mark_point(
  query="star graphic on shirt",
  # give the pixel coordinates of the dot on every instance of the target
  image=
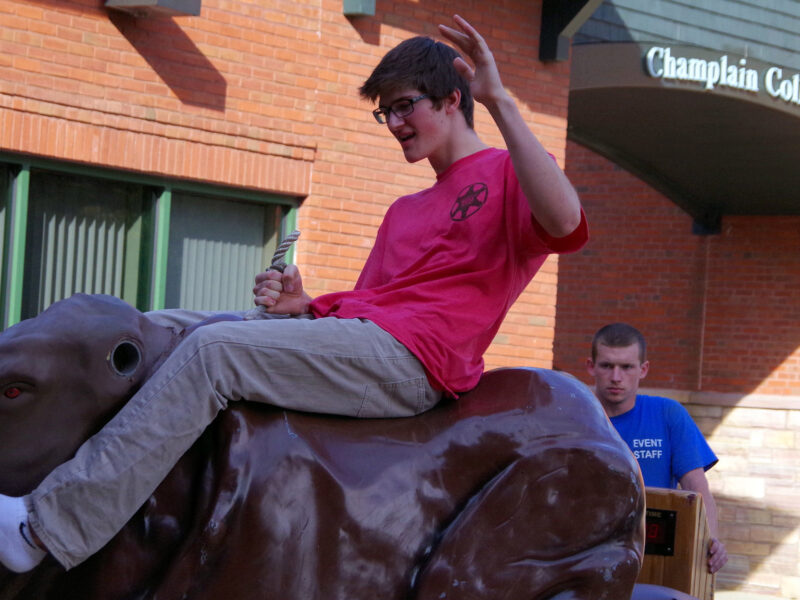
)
(469, 201)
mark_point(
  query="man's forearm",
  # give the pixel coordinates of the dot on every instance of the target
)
(551, 197)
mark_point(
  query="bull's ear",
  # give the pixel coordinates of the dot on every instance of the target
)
(125, 358)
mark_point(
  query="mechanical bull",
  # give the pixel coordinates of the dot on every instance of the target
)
(521, 489)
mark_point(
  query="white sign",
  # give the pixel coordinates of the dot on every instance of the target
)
(733, 74)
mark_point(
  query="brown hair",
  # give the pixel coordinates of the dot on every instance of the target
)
(619, 335)
(424, 64)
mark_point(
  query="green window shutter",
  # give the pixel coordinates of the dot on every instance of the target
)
(215, 249)
(66, 229)
(77, 238)
(5, 210)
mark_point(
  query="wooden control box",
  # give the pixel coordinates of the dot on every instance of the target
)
(676, 542)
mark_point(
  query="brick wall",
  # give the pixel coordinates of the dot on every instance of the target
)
(263, 95)
(720, 312)
(722, 318)
(641, 265)
(753, 314)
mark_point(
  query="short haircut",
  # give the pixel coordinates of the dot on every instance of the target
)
(619, 335)
(424, 64)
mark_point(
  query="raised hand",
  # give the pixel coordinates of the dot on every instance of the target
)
(484, 78)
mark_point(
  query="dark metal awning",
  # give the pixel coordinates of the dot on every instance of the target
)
(713, 149)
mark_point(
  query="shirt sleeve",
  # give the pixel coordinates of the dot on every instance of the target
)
(689, 447)
(571, 242)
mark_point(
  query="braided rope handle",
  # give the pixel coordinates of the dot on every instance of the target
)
(277, 264)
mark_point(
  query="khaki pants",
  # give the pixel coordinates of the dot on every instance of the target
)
(347, 367)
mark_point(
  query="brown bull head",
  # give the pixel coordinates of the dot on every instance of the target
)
(63, 374)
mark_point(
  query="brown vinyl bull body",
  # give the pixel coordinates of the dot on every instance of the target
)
(520, 489)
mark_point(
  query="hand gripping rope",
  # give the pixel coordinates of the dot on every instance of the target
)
(277, 264)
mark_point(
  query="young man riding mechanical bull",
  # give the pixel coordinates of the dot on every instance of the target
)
(447, 265)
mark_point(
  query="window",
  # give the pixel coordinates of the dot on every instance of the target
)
(151, 243)
(81, 237)
(215, 248)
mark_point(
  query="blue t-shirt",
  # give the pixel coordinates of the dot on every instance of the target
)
(664, 439)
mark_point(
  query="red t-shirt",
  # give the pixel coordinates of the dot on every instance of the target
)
(448, 263)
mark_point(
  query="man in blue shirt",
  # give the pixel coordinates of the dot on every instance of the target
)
(669, 447)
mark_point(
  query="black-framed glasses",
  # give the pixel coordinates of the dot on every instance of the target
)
(401, 108)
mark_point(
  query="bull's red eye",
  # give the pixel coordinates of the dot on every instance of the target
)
(12, 392)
